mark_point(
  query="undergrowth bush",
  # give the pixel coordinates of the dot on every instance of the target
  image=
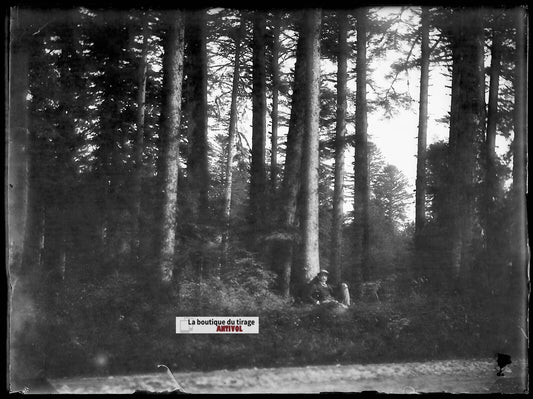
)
(114, 327)
(243, 289)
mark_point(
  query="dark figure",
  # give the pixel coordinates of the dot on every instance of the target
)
(503, 360)
(319, 291)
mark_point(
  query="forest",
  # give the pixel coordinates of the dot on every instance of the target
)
(210, 162)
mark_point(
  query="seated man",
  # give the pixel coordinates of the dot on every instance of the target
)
(321, 292)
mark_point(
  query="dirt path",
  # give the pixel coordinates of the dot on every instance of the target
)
(437, 376)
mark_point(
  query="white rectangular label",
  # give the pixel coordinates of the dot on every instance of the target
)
(217, 325)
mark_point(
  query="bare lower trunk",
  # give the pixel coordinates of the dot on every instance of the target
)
(361, 193)
(16, 187)
(275, 101)
(282, 253)
(31, 261)
(467, 130)
(519, 233)
(420, 200)
(257, 167)
(310, 158)
(173, 69)
(338, 193)
(197, 162)
(112, 135)
(231, 145)
(17, 156)
(491, 180)
(139, 144)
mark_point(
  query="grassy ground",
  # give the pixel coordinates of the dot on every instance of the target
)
(454, 376)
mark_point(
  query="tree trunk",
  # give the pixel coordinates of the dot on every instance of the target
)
(467, 122)
(21, 353)
(519, 278)
(275, 116)
(420, 200)
(361, 192)
(492, 116)
(139, 143)
(257, 168)
(197, 162)
(18, 137)
(34, 223)
(310, 158)
(169, 131)
(231, 144)
(340, 132)
(283, 250)
(491, 180)
(61, 173)
(112, 137)
(70, 84)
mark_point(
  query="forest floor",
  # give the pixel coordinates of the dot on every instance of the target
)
(455, 376)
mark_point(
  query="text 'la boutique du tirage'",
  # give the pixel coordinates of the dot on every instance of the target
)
(217, 324)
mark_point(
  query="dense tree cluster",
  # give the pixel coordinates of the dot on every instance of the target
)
(159, 148)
